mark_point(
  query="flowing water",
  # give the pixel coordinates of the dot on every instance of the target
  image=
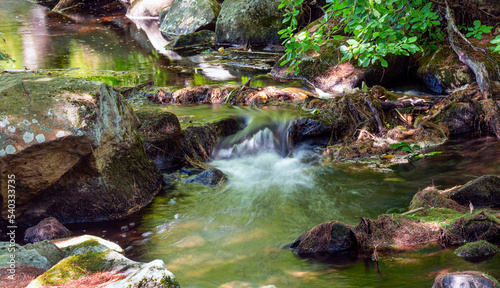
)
(234, 236)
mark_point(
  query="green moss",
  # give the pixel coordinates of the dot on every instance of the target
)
(85, 245)
(441, 216)
(76, 267)
(477, 249)
(170, 282)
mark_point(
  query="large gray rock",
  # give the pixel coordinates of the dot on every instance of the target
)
(95, 255)
(187, 16)
(466, 279)
(12, 255)
(47, 229)
(48, 250)
(73, 149)
(244, 22)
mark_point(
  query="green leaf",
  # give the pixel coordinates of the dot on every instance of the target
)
(352, 42)
(383, 62)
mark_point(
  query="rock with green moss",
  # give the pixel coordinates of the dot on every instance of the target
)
(332, 237)
(325, 71)
(472, 279)
(48, 250)
(255, 23)
(481, 192)
(161, 133)
(74, 144)
(192, 43)
(90, 255)
(147, 8)
(480, 225)
(478, 249)
(441, 71)
(187, 16)
(212, 177)
(431, 197)
(15, 254)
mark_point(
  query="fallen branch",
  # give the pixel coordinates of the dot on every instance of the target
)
(388, 105)
(413, 211)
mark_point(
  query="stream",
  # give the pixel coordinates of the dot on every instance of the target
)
(234, 236)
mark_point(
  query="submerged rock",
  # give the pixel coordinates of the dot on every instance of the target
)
(243, 22)
(470, 279)
(161, 133)
(478, 249)
(324, 70)
(47, 229)
(187, 16)
(211, 177)
(192, 43)
(332, 237)
(481, 192)
(97, 263)
(74, 144)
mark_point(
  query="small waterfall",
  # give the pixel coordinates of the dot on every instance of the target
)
(265, 131)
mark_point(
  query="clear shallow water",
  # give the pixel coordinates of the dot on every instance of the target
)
(39, 39)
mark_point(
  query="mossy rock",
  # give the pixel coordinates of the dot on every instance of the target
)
(192, 43)
(441, 71)
(481, 192)
(48, 250)
(255, 23)
(477, 249)
(431, 197)
(74, 144)
(332, 237)
(480, 225)
(161, 134)
(188, 16)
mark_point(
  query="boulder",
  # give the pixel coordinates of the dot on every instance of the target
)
(148, 8)
(192, 43)
(22, 256)
(47, 229)
(198, 142)
(431, 197)
(471, 228)
(255, 23)
(48, 250)
(332, 237)
(481, 192)
(324, 70)
(462, 119)
(441, 71)
(91, 261)
(211, 177)
(478, 249)
(471, 279)
(72, 146)
(161, 134)
(305, 128)
(187, 16)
